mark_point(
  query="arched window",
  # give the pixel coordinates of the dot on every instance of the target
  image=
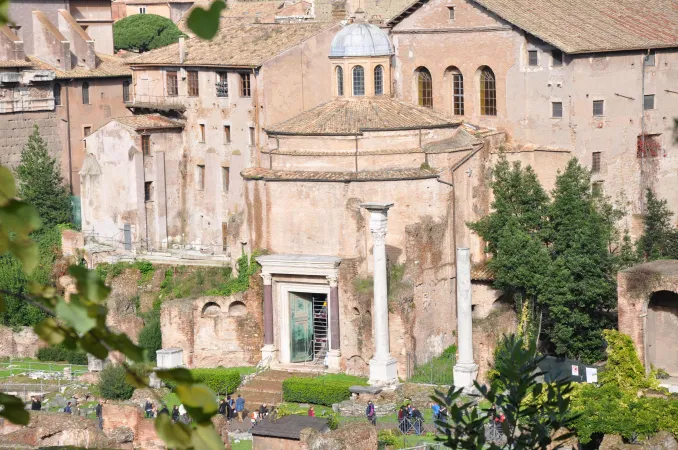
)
(125, 91)
(378, 80)
(424, 87)
(57, 94)
(340, 81)
(85, 93)
(488, 92)
(358, 81)
(237, 309)
(457, 91)
(211, 309)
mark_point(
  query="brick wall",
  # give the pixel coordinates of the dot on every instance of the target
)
(16, 128)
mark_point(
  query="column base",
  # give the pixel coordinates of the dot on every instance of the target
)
(334, 361)
(269, 354)
(465, 374)
(383, 371)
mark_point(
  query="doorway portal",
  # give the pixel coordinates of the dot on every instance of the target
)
(308, 326)
(662, 331)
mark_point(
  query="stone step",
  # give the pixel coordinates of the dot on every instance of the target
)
(258, 385)
(255, 399)
(280, 375)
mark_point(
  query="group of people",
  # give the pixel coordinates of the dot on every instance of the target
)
(231, 408)
(410, 418)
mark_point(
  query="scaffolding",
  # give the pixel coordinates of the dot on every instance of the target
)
(320, 336)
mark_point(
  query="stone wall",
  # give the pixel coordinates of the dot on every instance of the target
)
(20, 344)
(119, 415)
(16, 128)
(488, 331)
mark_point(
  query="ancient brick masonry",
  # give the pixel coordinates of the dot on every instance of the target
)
(15, 129)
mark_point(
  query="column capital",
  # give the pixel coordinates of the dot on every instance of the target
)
(267, 277)
(333, 280)
(379, 236)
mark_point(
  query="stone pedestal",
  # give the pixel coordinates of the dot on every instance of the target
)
(169, 358)
(466, 370)
(383, 368)
(334, 361)
(94, 364)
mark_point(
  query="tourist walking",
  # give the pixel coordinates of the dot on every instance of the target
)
(99, 411)
(239, 407)
(68, 409)
(436, 411)
(36, 404)
(154, 412)
(403, 419)
(230, 405)
(222, 407)
(371, 413)
(417, 420)
(175, 413)
(311, 412)
(148, 407)
(164, 410)
(263, 411)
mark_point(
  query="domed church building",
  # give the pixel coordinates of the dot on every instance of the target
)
(309, 203)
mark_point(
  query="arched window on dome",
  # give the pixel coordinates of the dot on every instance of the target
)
(340, 81)
(378, 80)
(358, 81)
(424, 87)
(488, 92)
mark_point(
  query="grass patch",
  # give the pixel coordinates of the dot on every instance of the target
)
(241, 445)
(438, 370)
(27, 364)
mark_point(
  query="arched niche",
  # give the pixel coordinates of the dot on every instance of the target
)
(211, 309)
(237, 309)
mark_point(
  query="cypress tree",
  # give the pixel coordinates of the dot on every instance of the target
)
(657, 241)
(41, 184)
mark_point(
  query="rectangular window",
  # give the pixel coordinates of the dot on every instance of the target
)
(172, 84)
(225, 178)
(648, 101)
(252, 136)
(222, 84)
(86, 131)
(557, 56)
(533, 57)
(595, 162)
(458, 93)
(148, 191)
(598, 107)
(450, 11)
(146, 144)
(193, 86)
(202, 132)
(245, 88)
(598, 189)
(57, 94)
(649, 59)
(201, 177)
(227, 134)
(125, 91)
(142, 10)
(557, 109)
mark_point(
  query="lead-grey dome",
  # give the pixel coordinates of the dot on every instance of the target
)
(361, 39)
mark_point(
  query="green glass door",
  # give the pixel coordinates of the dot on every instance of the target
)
(301, 327)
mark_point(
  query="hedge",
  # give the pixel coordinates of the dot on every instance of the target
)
(59, 353)
(324, 390)
(220, 380)
(112, 383)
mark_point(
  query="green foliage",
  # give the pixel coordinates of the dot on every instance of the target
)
(533, 410)
(143, 32)
(438, 370)
(220, 380)
(659, 239)
(554, 257)
(246, 268)
(59, 353)
(387, 437)
(611, 410)
(150, 337)
(323, 390)
(106, 270)
(113, 384)
(623, 368)
(205, 23)
(40, 182)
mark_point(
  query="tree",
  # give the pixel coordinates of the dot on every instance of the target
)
(144, 32)
(41, 184)
(150, 337)
(659, 238)
(533, 411)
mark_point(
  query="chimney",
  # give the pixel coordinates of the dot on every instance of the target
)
(182, 50)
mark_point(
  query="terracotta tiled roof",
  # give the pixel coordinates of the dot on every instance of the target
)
(384, 9)
(149, 122)
(246, 12)
(462, 140)
(352, 116)
(16, 63)
(238, 43)
(108, 66)
(260, 173)
(365, 152)
(521, 148)
(585, 26)
(481, 272)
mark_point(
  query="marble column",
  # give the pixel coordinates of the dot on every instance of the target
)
(269, 347)
(334, 353)
(383, 370)
(466, 370)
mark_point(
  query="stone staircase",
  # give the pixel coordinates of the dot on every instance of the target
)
(266, 387)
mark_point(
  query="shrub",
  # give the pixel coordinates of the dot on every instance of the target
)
(246, 268)
(324, 390)
(150, 337)
(112, 384)
(220, 380)
(623, 367)
(143, 32)
(59, 353)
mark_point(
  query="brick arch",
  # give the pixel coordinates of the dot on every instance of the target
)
(661, 331)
